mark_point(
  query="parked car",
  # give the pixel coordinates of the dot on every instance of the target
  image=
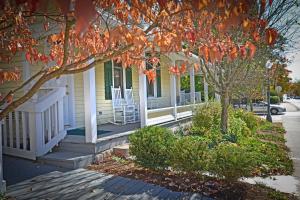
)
(261, 107)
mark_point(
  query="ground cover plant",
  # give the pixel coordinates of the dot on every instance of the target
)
(251, 146)
(200, 158)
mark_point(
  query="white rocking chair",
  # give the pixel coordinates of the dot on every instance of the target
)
(131, 104)
(122, 112)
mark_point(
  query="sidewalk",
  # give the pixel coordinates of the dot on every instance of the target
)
(291, 122)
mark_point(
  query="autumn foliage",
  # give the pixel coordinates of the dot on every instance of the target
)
(73, 32)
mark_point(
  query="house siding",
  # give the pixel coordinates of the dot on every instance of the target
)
(104, 107)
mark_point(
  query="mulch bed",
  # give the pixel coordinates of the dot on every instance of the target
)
(189, 182)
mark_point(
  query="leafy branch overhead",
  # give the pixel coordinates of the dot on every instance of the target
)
(64, 36)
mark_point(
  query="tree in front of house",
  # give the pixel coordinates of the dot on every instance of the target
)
(73, 36)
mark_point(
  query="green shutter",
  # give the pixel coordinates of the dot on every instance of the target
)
(128, 77)
(158, 81)
(108, 79)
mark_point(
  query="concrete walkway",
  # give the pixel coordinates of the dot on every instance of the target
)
(16, 170)
(291, 122)
(85, 184)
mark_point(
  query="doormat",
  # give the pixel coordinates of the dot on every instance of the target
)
(81, 132)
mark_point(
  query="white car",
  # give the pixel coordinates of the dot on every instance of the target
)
(261, 107)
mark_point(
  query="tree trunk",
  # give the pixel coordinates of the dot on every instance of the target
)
(224, 114)
(251, 105)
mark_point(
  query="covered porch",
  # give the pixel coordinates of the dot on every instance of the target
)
(169, 103)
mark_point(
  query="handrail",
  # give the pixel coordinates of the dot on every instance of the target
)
(35, 127)
(43, 103)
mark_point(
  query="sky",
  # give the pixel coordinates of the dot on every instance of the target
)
(294, 56)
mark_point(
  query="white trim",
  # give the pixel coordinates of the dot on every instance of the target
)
(143, 99)
(90, 108)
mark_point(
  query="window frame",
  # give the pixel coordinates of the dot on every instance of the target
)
(123, 77)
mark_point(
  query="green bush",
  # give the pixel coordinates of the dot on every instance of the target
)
(249, 118)
(231, 162)
(238, 127)
(151, 146)
(189, 154)
(207, 119)
(274, 99)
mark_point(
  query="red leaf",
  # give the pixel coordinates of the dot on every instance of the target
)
(52, 56)
(270, 2)
(44, 59)
(256, 36)
(28, 57)
(84, 13)
(243, 51)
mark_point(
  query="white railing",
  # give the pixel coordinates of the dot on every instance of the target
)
(35, 127)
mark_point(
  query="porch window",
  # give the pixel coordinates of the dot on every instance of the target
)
(154, 88)
(117, 76)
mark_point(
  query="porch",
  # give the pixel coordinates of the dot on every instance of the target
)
(56, 121)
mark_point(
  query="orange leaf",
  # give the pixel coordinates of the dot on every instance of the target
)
(271, 36)
(175, 70)
(197, 67)
(183, 68)
(252, 49)
(151, 74)
(204, 52)
(233, 54)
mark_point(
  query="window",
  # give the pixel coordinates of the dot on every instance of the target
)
(154, 88)
(117, 76)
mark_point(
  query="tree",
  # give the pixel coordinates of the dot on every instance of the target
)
(80, 34)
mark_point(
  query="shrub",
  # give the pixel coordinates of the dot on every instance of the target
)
(249, 118)
(151, 146)
(231, 162)
(207, 119)
(238, 127)
(274, 99)
(189, 154)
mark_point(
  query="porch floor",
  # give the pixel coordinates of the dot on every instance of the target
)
(105, 130)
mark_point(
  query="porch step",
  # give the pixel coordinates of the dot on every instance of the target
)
(102, 144)
(67, 159)
(121, 151)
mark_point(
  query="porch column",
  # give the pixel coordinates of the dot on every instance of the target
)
(143, 98)
(205, 90)
(90, 116)
(192, 84)
(173, 93)
(2, 182)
